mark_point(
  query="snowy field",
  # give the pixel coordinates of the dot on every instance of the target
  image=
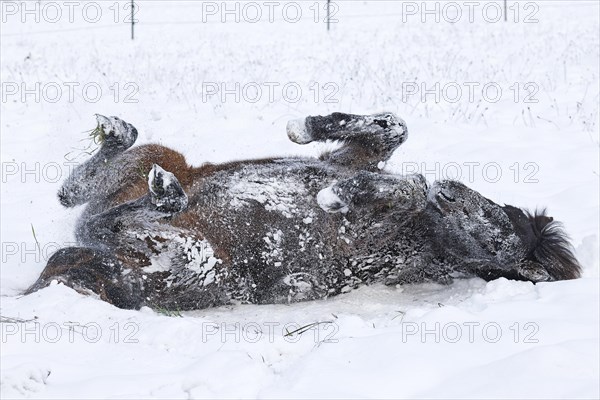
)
(511, 108)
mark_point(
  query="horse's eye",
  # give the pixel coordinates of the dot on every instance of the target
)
(447, 197)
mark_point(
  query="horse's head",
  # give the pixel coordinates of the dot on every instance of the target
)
(481, 233)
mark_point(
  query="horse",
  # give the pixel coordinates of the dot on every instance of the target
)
(158, 232)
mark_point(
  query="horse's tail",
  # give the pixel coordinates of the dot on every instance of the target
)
(551, 247)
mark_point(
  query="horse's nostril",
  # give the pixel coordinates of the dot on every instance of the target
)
(382, 123)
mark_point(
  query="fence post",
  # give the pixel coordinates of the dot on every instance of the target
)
(328, 15)
(132, 22)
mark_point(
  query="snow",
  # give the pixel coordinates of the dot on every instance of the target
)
(331, 202)
(425, 341)
(274, 194)
(109, 124)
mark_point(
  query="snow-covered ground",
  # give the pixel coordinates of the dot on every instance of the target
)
(534, 144)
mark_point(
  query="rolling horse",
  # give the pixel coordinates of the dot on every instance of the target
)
(158, 232)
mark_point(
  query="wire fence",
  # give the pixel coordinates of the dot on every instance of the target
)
(198, 6)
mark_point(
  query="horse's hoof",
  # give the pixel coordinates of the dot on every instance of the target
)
(116, 133)
(534, 272)
(166, 192)
(297, 132)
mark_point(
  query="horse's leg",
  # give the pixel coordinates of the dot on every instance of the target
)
(375, 191)
(101, 174)
(97, 268)
(91, 270)
(109, 229)
(368, 139)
